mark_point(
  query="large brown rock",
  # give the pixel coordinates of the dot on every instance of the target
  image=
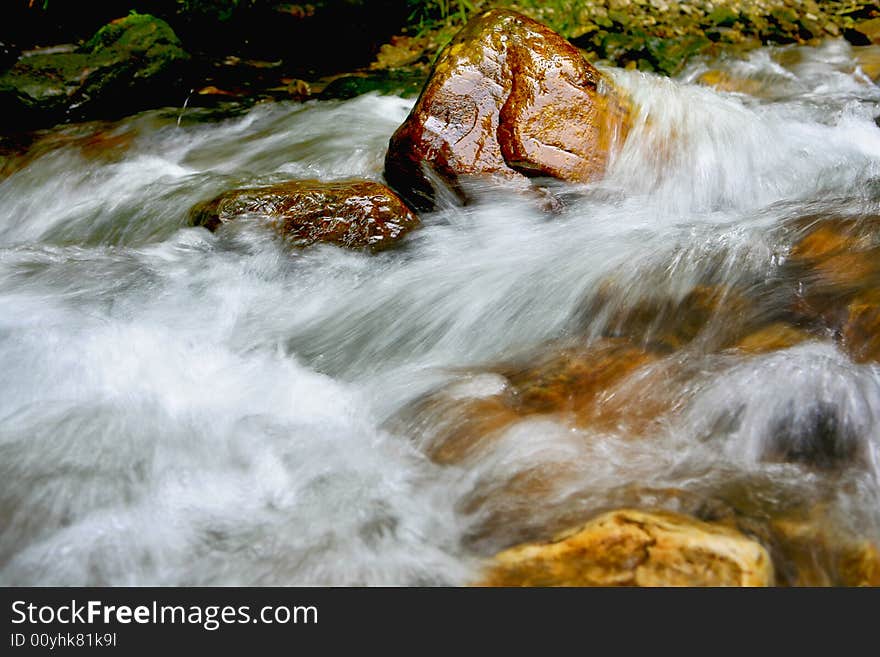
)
(354, 214)
(636, 548)
(508, 97)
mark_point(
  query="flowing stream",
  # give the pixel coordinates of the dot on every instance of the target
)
(185, 408)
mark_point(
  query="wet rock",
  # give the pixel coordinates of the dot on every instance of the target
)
(868, 60)
(636, 548)
(835, 262)
(717, 314)
(131, 63)
(811, 541)
(818, 435)
(353, 214)
(570, 380)
(508, 98)
(861, 330)
(818, 554)
(572, 383)
(724, 81)
(777, 335)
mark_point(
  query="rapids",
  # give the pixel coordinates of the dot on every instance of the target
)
(185, 408)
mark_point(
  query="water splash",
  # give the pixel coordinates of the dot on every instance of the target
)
(182, 407)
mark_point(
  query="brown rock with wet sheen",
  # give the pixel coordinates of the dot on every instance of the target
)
(636, 548)
(565, 380)
(352, 213)
(778, 335)
(861, 331)
(508, 96)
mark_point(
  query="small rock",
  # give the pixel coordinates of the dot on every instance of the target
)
(354, 214)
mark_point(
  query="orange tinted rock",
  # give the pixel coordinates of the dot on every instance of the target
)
(819, 555)
(770, 338)
(718, 312)
(868, 60)
(508, 96)
(478, 423)
(861, 332)
(571, 379)
(568, 382)
(723, 81)
(352, 214)
(636, 548)
(833, 265)
(840, 253)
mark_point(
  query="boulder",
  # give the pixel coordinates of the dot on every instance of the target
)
(129, 64)
(354, 214)
(508, 98)
(636, 548)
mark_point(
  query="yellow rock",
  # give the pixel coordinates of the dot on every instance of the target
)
(868, 59)
(636, 548)
(723, 81)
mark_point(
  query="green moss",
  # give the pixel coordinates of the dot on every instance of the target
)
(723, 16)
(135, 33)
(112, 68)
(670, 55)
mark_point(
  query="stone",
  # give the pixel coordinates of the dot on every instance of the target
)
(725, 81)
(571, 379)
(507, 99)
(636, 548)
(820, 555)
(354, 214)
(861, 330)
(131, 63)
(868, 60)
(777, 335)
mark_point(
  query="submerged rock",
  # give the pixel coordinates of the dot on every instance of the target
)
(507, 98)
(861, 330)
(819, 435)
(636, 548)
(129, 64)
(568, 382)
(354, 214)
(772, 337)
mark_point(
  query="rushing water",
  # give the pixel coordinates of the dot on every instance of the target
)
(181, 407)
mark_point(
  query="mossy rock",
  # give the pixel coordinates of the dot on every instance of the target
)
(669, 56)
(131, 63)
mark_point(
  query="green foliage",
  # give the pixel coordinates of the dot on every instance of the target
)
(432, 14)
